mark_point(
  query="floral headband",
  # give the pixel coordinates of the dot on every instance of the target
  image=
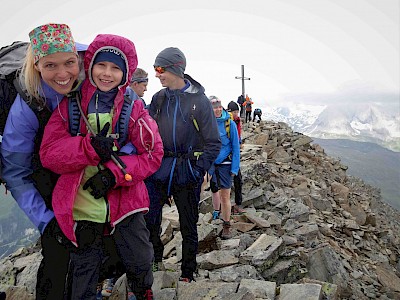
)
(51, 38)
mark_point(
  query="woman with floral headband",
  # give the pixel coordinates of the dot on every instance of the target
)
(50, 71)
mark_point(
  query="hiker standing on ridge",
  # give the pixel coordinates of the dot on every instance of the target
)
(191, 143)
(94, 195)
(49, 73)
(225, 167)
(233, 108)
(138, 85)
(248, 107)
(240, 101)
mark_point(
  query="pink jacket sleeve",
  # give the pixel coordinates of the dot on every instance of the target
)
(62, 153)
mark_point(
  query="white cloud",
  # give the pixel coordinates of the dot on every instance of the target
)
(287, 46)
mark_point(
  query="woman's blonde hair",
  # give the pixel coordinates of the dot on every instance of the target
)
(31, 76)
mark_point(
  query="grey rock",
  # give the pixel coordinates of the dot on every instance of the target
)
(308, 224)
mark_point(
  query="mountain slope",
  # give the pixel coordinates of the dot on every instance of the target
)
(374, 164)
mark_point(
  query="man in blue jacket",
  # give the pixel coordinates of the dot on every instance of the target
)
(191, 141)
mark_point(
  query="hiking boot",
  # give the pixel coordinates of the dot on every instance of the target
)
(157, 266)
(98, 294)
(108, 286)
(131, 296)
(237, 210)
(148, 295)
(215, 214)
(186, 279)
(226, 230)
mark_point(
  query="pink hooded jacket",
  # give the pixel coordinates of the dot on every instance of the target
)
(68, 156)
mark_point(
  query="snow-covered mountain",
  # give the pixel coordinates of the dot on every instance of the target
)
(369, 122)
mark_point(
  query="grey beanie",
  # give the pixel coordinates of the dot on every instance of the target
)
(173, 60)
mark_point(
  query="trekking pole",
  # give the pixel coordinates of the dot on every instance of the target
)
(127, 176)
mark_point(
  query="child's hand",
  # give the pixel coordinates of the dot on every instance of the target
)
(100, 183)
(103, 145)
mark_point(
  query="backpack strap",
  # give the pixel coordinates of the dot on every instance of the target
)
(41, 111)
(121, 127)
(123, 123)
(228, 127)
(159, 102)
(74, 115)
(43, 179)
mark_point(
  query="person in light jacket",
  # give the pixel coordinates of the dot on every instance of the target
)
(225, 167)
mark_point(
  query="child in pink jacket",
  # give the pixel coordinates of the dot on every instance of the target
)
(93, 195)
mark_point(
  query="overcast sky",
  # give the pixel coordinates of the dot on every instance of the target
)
(288, 47)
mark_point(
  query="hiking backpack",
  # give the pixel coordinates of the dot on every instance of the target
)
(11, 61)
(248, 106)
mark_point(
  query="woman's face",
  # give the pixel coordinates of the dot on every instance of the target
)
(106, 75)
(59, 70)
(217, 110)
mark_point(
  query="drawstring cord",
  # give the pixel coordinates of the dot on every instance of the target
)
(59, 111)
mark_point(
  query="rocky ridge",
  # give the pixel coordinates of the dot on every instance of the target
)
(310, 232)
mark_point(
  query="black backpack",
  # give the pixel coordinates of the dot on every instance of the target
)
(248, 106)
(11, 60)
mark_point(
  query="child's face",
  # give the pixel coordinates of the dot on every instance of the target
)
(106, 75)
(235, 113)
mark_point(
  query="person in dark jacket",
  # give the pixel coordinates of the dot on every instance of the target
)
(257, 113)
(240, 101)
(191, 141)
(49, 72)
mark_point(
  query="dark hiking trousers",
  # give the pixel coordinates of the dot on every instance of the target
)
(112, 266)
(131, 238)
(237, 185)
(248, 116)
(154, 217)
(242, 111)
(187, 202)
(53, 269)
(86, 260)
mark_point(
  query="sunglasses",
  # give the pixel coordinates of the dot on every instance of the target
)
(216, 103)
(160, 69)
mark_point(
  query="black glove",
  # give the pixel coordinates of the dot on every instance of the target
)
(100, 183)
(103, 145)
(199, 173)
(53, 230)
